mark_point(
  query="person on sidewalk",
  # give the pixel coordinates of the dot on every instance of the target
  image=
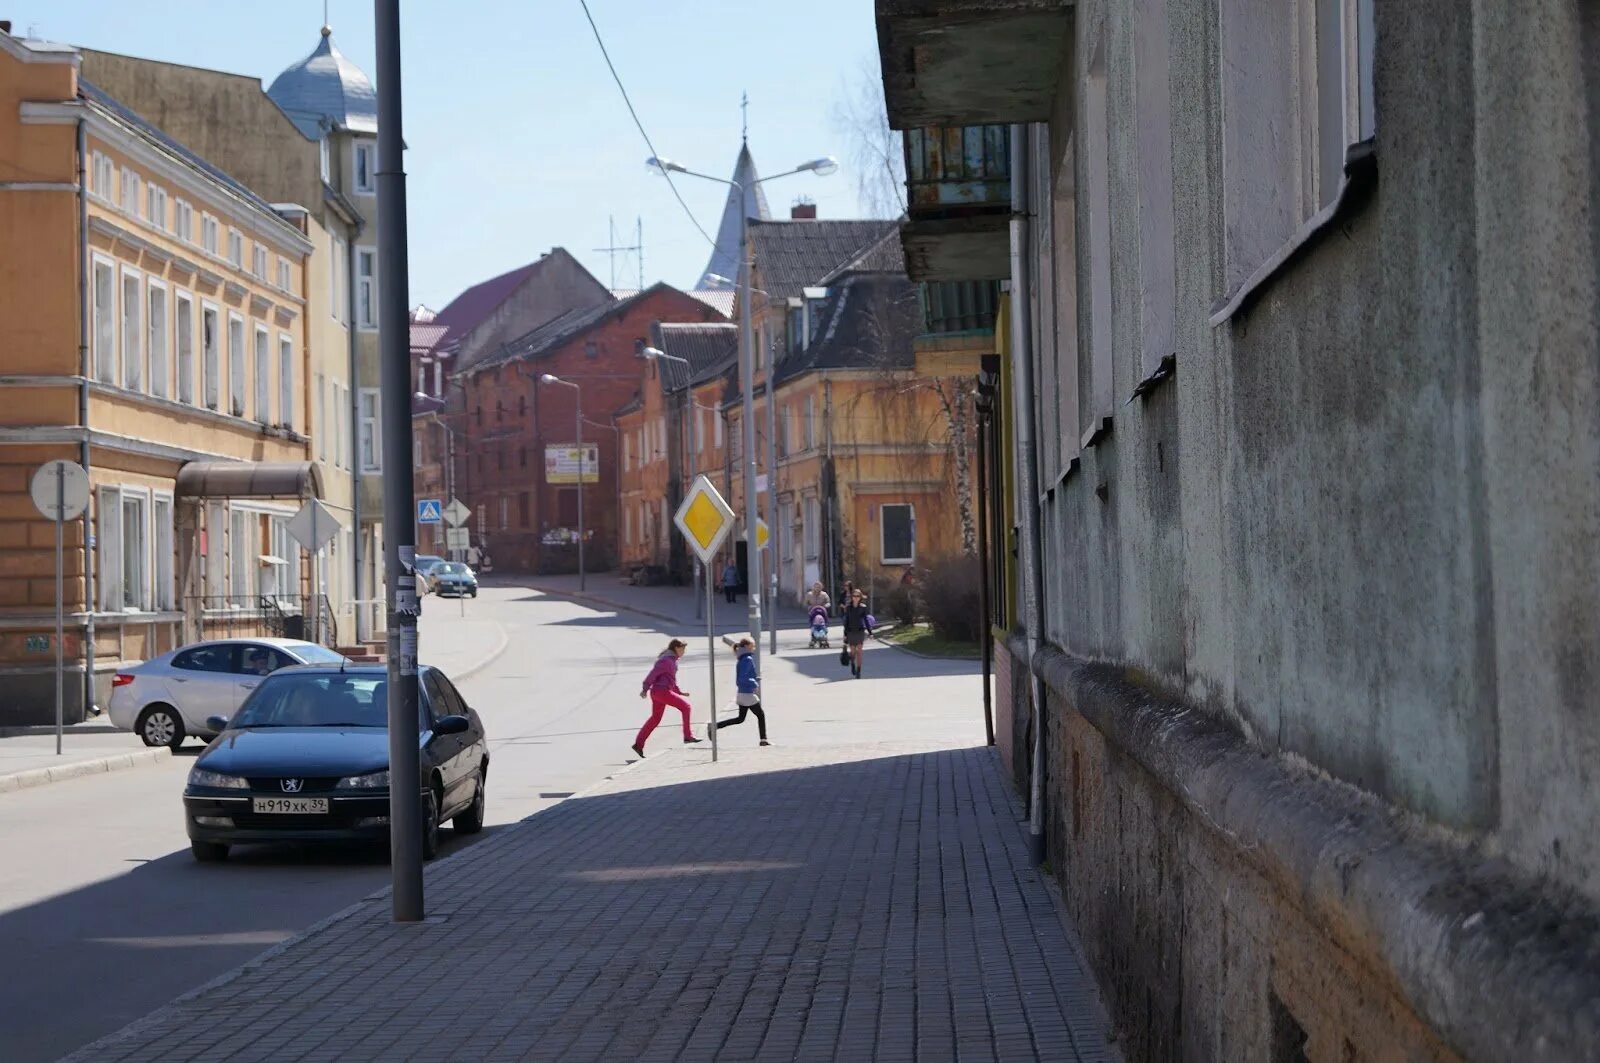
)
(749, 686)
(857, 626)
(661, 687)
(817, 597)
(730, 582)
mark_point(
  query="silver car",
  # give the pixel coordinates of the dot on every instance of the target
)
(170, 697)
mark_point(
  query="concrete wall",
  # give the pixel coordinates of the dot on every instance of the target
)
(1356, 528)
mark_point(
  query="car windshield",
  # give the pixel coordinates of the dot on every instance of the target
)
(313, 699)
(311, 653)
(426, 562)
(451, 568)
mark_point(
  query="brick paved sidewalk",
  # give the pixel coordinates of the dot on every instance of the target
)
(865, 902)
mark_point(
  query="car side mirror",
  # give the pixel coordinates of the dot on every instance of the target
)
(451, 725)
(217, 723)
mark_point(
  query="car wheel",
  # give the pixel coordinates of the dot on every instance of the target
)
(471, 821)
(209, 852)
(160, 725)
(474, 592)
(430, 826)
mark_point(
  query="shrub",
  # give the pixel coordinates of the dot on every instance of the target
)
(951, 591)
(894, 599)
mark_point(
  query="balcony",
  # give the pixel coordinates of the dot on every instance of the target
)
(971, 62)
(958, 319)
(958, 184)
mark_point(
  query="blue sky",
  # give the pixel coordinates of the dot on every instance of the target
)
(519, 140)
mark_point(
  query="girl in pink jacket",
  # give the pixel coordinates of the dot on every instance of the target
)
(661, 687)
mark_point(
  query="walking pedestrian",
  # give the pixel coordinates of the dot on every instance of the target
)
(845, 596)
(857, 626)
(730, 582)
(661, 687)
(817, 597)
(749, 687)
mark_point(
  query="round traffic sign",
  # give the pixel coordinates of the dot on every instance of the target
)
(61, 490)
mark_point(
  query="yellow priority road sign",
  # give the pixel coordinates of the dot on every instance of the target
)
(704, 518)
(762, 534)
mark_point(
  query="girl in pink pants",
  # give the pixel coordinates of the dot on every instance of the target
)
(661, 687)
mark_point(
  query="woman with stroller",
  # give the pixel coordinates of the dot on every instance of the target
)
(661, 687)
(817, 597)
(857, 626)
(749, 684)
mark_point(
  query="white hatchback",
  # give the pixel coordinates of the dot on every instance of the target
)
(170, 697)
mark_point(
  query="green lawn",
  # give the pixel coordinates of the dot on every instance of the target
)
(919, 638)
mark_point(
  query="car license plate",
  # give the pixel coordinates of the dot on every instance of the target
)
(294, 806)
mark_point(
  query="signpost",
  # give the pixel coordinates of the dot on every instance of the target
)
(61, 491)
(314, 527)
(705, 520)
(455, 514)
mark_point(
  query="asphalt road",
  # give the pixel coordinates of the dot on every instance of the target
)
(104, 915)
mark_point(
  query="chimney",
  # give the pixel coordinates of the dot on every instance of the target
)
(5, 26)
(803, 208)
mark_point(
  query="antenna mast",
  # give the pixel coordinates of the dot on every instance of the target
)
(614, 249)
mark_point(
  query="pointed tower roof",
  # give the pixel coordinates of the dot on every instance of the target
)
(725, 256)
(327, 91)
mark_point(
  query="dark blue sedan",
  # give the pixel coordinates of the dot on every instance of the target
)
(306, 759)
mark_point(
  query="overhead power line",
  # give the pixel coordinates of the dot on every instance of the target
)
(640, 125)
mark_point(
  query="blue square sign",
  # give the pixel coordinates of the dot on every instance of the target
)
(429, 511)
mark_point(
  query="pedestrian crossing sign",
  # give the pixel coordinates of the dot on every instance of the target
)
(429, 511)
(704, 519)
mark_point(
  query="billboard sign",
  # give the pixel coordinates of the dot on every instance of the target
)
(561, 464)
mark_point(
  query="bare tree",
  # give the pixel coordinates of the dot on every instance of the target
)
(875, 152)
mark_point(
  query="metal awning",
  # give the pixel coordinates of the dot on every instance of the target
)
(247, 479)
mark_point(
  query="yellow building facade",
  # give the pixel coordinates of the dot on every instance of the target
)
(154, 330)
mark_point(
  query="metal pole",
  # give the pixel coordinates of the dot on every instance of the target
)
(985, 633)
(405, 783)
(61, 512)
(747, 369)
(1027, 473)
(690, 472)
(583, 572)
(711, 667)
(772, 496)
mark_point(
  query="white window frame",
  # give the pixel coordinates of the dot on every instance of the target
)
(715, 417)
(108, 549)
(104, 175)
(244, 580)
(325, 158)
(129, 188)
(158, 337)
(211, 355)
(135, 546)
(368, 150)
(261, 349)
(183, 335)
(371, 434)
(286, 403)
(811, 530)
(210, 233)
(366, 289)
(238, 377)
(319, 424)
(132, 321)
(883, 525)
(339, 279)
(163, 534)
(258, 261)
(235, 248)
(285, 276)
(156, 206)
(107, 324)
(183, 221)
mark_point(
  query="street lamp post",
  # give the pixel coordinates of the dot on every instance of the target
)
(655, 354)
(577, 401)
(821, 167)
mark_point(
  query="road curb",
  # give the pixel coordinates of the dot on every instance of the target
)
(494, 655)
(923, 656)
(31, 777)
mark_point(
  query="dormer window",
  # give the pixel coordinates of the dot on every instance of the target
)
(326, 162)
(366, 168)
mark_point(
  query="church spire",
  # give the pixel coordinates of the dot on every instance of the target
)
(725, 256)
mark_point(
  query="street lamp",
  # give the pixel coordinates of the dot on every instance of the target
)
(577, 399)
(822, 167)
(656, 354)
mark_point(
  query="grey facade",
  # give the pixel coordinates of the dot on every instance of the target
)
(1315, 302)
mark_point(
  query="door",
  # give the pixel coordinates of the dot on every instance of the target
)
(444, 751)
(741, 555)
(251, 664)
(203, 683)
(474, 745)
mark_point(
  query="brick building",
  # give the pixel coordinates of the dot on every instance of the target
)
(526, 521)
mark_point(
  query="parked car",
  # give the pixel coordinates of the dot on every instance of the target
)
(452, 579)
(422, 567)
(168, 698)
(306, 759)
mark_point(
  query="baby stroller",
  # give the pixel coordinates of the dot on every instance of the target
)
(819, 628)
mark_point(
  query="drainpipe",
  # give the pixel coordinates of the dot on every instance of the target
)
(1028, 472)
(830, 481)
(90, 709)
(363, 629)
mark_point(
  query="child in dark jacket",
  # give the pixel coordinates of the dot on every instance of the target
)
(749, 686)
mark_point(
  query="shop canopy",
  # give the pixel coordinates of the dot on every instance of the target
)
(244, 479)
